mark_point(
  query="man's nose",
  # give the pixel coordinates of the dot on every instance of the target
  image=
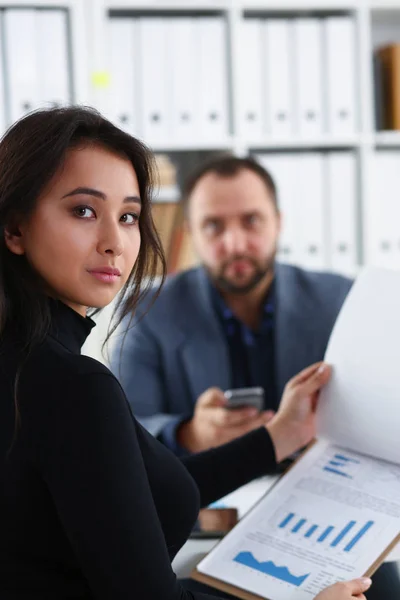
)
(235, 240)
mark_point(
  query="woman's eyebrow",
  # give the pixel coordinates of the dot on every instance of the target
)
(97, 194)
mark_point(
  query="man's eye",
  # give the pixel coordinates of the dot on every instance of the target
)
(252, 219)
(212, 227)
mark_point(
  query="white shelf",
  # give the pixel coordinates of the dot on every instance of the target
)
(387, 139)
(37, 3)
(166, 194)
(299, 5)
(383, 5)
(183, 5)
(300, 144)
(190, 145)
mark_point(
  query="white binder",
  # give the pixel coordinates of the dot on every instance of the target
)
(341, 188)
(282, 166)
(52, 57)
(213, 77)
(308, 76)
(341, 72)
(183, 78)
(310, 199)
(279, 77)
(251, 101)
(382, 212)
(154, 67)
(123, 66)
(3, 117)
(21, 61)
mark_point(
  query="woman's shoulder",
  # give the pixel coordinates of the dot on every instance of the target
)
(53, 367)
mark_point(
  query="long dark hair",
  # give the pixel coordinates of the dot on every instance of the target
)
(31, 152)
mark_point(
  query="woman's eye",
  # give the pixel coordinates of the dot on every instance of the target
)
(84, 212)
(129, 218)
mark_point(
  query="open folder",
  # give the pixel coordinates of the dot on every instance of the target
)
(335, 514)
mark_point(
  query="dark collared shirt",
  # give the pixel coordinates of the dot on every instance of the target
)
(251, 351)
(251, 358)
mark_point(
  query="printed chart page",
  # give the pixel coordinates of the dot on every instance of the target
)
(328, 519)
(359, 408)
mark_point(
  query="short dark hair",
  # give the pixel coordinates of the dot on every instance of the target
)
(228, 165)
(31, 152)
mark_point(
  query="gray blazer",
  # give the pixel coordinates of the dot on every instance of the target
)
(179, 349)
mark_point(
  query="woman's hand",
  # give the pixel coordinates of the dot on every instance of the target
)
(346, 590)
(293, 426)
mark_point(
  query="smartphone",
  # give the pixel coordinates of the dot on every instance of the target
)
(252, 397)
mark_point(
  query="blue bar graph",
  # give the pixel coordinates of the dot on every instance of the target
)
(343, 533)
(335, 463)
(337, 472)
(298, 525)
(286, 520)
(325, 534)
(358, 536)
(347, 459)
(311, 531)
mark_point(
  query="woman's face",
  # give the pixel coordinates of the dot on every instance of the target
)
(83, 237)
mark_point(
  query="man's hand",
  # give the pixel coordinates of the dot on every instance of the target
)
(213, 424)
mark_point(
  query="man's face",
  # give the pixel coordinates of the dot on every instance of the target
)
(235, 227)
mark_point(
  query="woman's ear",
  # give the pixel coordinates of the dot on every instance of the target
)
(14, 239)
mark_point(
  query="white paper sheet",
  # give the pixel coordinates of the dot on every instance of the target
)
(360, 407)
(327, 520)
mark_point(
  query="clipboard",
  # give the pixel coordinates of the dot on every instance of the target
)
(243, 593)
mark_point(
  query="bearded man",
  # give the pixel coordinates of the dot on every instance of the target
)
(239, 320)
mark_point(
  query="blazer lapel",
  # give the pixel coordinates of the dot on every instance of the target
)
(294, 337)
(204, 351)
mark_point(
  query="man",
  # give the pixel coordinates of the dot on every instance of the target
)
(240, 320)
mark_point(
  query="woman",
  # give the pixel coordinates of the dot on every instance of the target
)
(93, 507)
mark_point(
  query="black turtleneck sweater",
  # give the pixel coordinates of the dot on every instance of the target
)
(91, 505)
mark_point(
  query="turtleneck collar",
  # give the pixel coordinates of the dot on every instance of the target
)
(68, 327)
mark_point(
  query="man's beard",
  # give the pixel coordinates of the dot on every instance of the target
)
(226, 285)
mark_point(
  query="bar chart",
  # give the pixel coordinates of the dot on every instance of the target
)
(341, 465)
(344, 538)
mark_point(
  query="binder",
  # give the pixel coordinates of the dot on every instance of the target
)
(154, 66)
(380, 96)
(310, 196)
(52, 57)
(123, 66)
(213, 77)
(21, 61)
(382, 212)
(282, 167)
(388, 88)
(251, 101)
(278, 55)
(183, 82)
(3, 117)
(341, 84)
(164, 214)
(308, 77)
(341, 187)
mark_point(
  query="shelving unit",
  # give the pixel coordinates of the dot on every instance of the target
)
(377, 22)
